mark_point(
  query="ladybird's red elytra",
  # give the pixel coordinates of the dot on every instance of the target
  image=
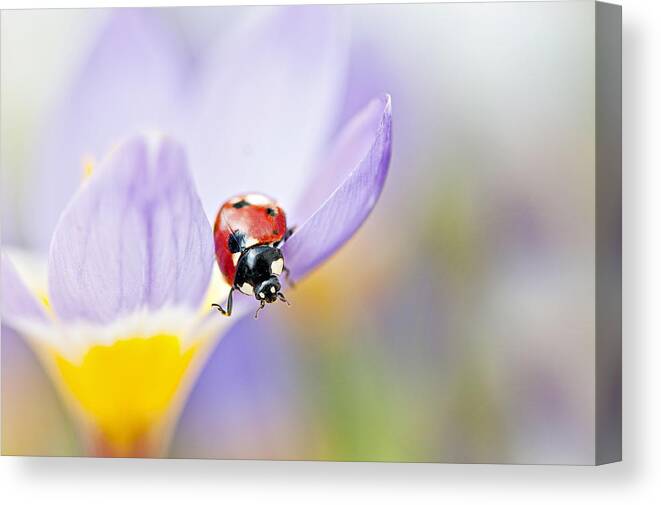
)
(248, 232)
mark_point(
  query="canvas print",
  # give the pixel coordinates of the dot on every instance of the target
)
(346, 232)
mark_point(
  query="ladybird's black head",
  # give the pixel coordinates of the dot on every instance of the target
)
(268, 290)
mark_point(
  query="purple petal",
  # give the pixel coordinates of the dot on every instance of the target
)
(244, 402)
(267, 103)
(18, 303)
(342, 213)
(130, 81)
(134, 236)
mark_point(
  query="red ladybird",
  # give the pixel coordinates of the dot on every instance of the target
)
(248, 232)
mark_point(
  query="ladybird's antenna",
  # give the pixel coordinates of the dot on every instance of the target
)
(283, 299)
(261, 306)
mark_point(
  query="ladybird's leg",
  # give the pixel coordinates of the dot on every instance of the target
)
(261, 306)
(285, 237)
(288, 278)
(227, 312)
(288, 233)
(236, 242)
(229, 302)
(282, 298)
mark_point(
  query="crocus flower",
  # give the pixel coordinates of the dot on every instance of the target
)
(123, 323)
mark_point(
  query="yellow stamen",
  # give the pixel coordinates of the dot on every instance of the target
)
(126, 388)
(43, 298)
(88, 167)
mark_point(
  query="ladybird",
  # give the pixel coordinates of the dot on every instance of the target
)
(248, 232)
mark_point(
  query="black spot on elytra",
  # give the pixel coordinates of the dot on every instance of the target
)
(235, 242)
(275, 232)
(271, 211)
(240, 204)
